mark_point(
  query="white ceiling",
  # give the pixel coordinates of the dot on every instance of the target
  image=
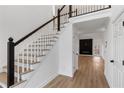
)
(92, 26)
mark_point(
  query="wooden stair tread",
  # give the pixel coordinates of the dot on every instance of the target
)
(20, 70)
(46, 45)
(3, 79)
(29, 62)
(4, 67)
(36, 55)
(47, 40)
(54, 34)
(47, 37)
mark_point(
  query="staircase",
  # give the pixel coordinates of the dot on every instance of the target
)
(27, 60)
(22, 64)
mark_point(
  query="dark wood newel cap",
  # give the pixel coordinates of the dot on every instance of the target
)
(10, 39)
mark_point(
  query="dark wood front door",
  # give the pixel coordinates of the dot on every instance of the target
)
(86, 46)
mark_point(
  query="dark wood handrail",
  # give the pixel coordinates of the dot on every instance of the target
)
(31, 33)
(62, 8)
(28, 35)
(67, 13)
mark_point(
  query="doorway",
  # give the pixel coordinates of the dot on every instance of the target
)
(86, 46)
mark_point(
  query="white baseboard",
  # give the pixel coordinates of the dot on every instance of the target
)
(3, 85)
(90, 55)
(47, 80)
(84, 55)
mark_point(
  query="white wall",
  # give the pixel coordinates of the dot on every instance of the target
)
(116, 11)
(108, 43)
(75, 48)
(65, 51)
(17, 21)
(97, 41)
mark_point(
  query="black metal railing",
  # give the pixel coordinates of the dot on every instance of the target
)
(87, 9)
(70, 11)
(63, 16)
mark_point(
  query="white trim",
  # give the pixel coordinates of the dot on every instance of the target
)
(47, 80)
(85, 55)
(90, 55)
(3, 85)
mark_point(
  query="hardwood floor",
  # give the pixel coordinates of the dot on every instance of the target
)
(89, 75)
(3, 78)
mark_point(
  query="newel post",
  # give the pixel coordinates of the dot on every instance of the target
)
(109, 6)
(70, 10)
(10, 62)
(58, 20)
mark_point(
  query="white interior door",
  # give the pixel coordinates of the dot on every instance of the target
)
(121, 37)
(118, 69)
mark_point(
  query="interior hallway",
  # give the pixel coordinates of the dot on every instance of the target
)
(89, 75)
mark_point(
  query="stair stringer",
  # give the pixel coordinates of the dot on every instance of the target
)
(46, 71)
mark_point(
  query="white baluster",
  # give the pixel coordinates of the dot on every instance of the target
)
(32, 52)
(93, 7)
(31, 56)
(90, 8)
(84, 9)
(17, 61)
(78, 9)
(27, 59)
(23, 61)
(98, 7)
(81, 8)
(18, 74)
(37, 51)
(39, 47)
(47, 41)
(43, 44)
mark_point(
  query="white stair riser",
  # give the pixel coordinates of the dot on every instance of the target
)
(32, 66)
(4, 70)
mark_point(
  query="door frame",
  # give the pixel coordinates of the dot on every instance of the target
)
(92, 47)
